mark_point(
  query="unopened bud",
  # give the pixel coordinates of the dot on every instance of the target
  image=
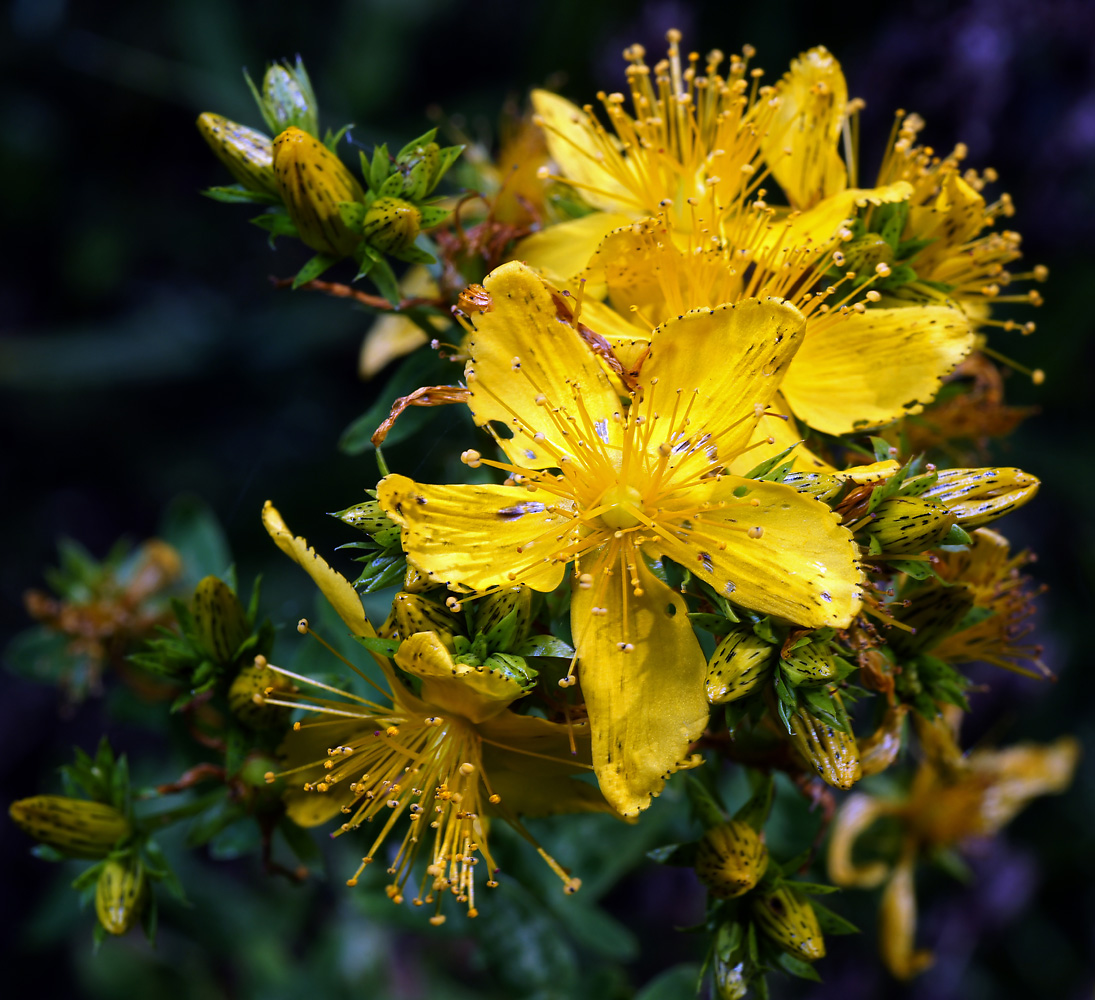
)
(740, 662)
(810, 664)
(492, 610)
(248, 693)
(419, 167)
(910, 524)
(392, 224)
(830, 751)
(787, 917)
(731, 859)
(219, 618)
(120, 895)
(77, 827)
(819, 485)
(978, 496)
(413, 613)
(288, 100)
(247, 153)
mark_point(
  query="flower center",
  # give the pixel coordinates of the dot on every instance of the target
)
(622, 501)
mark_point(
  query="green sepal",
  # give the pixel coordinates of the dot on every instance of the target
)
(759, 805)
(917, 569)
(828, 921)
(313, 269)
(392, 187)
(883, 450)
(677, 855)
(382, 275)
(332, 139)
(379, 170)
(787, 702)
(237, 194)
(957, 536)
(414, 255)
(704, 805)
(385, 647)
(765, 468)
(797, 967)
(276, 224)
(352, 214)
(433, 216)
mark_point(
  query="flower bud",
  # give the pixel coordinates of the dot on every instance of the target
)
(77, 827)
(909, 524)
(490, 611)
(978, 496)
(830, 751)
(810, 664)
(392, 224)
(248, 693)
(413, 613)
(933, 613)
(739, 663)
(248, 154)
(819, 485)
(419, 167)
(731, 859)
(787, 917)
(288, 100)
(729, 957)
(120, 895)
(312, 182)
(219, 618)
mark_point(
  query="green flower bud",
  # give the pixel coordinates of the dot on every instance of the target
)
(77, 827)
(391, 224)
(312, 182)
(810, 664)
(731, 859)
(729, 957)
(120, 895)
(248, 155)
(819, 485)
(413, 613)
(787, 917)
(249, 691)
(288, 100)
(909, 524)
(737, 666)
(978, 496)
(219, 618)
(490, 611)
(828, 750)
(419, 168)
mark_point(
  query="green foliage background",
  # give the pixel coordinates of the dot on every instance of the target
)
(144, 356)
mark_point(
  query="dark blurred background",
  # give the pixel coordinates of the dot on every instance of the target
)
(144, 355)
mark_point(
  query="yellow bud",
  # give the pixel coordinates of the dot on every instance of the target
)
(220, 619)
(120, 895)
(413, 613)
(312, 182)
(287, 98)
(249, 691)
(978, 496)
(810, 664)
(491, 610)
(787, 917)
(731, 859)
(739, 663)
(247, 153)
(392, 224)
(78, 827)
(909, 524)
(829, 751)
(820, 485)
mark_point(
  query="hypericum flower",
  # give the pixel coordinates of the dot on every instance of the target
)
(991, 574)
(861, 363)
(638, 479)
(952, 798)
(445, 760)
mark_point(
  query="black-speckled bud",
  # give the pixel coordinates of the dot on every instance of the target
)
(787, 917)
(819, 485)
(248, 693)
(491, 610)
(78, 827)
(740, 662)
(909, 524)
(219, 618)
(413, 613)
(978, 496)
(829, 751)
(391, 224)
(419, 168)
(120, 895)
(288, 99)
(810, 664)
(247, 153)
(731, 859)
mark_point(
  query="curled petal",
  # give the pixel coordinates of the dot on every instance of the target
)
(856, 814)
(897, 922)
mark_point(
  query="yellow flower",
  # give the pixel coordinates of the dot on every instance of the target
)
(393, 334)
(446, 760)
(952, 799)
(637, 479)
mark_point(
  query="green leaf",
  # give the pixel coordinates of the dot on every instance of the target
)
(678, 983)
(677, 855)
(382, 275)
(191, 527)
(830, 922)
(797, 967)
(276, 224)
(314, 268)
(352, 214)
(883, 450)
(763, 470)
(385, 647)
(918, 569)
(544, 645)
(957, 536)
(705, 807)
(380, 168)
(756, 809)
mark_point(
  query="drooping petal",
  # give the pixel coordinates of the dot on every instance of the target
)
(578, 147)
(562, 251)
(865, 369)
(857, 813)
(476, 537)
(545, 795)
(722, 367)
(801, 565)
(801, 145)
(645, 705)
(528, 366)
(897, 922)
(308, 745)
(333, 585)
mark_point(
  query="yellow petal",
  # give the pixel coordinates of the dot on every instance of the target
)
(476, 693)
(536, 746)
(801, 145)
(856, 814)
(820, 224)
(393, 335)
(865, 369)
(647, 705)
(628, 341)
(334, 586)
(309, 745)
(475, 537)
(576, 146)
(955, 217)
(753, 341)
(897, 922)
(803, 566)
(522, 353)
(562, 251)
(773, 435)
(544, 795)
